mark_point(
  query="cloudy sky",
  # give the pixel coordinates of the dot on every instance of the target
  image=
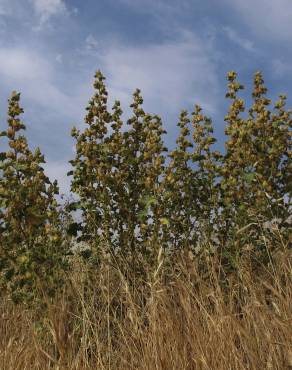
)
(177, 52)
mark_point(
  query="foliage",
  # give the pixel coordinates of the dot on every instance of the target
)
(139, 196)
(117, 174)
(258, 151)
(31, 250)
(139, 201)
(256, 171)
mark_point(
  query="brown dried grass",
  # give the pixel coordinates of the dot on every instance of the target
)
(179, 320)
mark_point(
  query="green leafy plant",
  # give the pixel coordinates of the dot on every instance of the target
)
(116, 172)
(256, 171)
(135, 199)
(31, 248)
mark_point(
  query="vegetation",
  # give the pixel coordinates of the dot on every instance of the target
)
(178, 259)
(31, 253)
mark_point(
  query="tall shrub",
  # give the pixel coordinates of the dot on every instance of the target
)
(31, 251)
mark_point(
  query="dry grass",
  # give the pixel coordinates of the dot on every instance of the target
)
(182, 320)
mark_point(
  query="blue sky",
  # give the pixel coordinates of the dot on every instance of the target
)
(177, 52)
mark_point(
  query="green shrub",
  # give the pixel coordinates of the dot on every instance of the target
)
(31, 248)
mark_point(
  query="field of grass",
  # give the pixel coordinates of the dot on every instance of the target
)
(183, 313)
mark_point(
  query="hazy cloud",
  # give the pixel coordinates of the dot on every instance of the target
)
(280, 68)
(268, 18)
(45, 9)
(170, 74)
(91, 43)
(237, 39)
(31, 73)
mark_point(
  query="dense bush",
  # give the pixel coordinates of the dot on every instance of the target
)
(137, 198)
(135, 195)
(32, 252)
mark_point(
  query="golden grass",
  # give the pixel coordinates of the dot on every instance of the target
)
(185, 319)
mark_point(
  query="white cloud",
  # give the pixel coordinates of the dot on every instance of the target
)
(59, 58)
(271, 19)
(34, 76)
(237, 39)
(6, 7)
(91, 43)
(22, 64)
(38, 12)
(166, 13)
(157, 6)
(3, 11)
(281, 68)
(45, 9)
(171, 75)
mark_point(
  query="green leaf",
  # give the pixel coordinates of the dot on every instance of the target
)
(198, 157)
(164, 221)
(2, 156)
(74, 206)
(142, 214)
(249, 177)
(149, 200)
(20, 167)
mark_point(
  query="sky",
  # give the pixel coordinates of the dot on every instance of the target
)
(177, 52)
